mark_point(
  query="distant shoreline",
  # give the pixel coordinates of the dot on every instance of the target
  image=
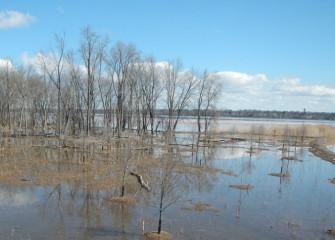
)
(274, 114)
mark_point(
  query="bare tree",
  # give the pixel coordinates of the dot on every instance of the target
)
(124, 156)
(208, 91)
(179, 87)
(32, 93)
(106, 98)
(21, 86)
(92, 51)
(52, 65)
(78, 91)
(7, 75)
(164, 191)
(151, 88)
(121, 63)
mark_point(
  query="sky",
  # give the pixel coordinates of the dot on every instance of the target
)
(268, 54)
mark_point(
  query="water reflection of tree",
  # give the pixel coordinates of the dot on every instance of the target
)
(201, 151)
(176, 172)
(240, 200)
(247, 166)
(198, 172)
(284, 177)
(239, 205)
(165, 177)
(121, 215)
(251, 138)
(166, 183)
(55, 196)
(79, 185)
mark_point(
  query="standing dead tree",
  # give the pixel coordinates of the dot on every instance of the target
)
(7, 92)
(179, 87)
(165, 188)
(92, 52)
(121, 62)
(52, 65)
(76, 86)
(150, 89)
(207, 93)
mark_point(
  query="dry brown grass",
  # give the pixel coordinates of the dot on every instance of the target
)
(242, 187)
(200, 207)
(306, 130)
(282, 175)
(121, 200)
(322, 152)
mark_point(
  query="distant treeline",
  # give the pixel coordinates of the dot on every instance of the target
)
(260, 114)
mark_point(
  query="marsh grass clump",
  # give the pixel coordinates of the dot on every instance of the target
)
(332, 180)
(200, 207)
(155, 236)
(281, 175)
(121, 200)
(242, 187)
(289, 135)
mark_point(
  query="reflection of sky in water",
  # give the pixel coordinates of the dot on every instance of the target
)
(229, 124)
(305, 198)
(17, 198)
(298, 207)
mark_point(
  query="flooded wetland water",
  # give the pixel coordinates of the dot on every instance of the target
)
(217, 186)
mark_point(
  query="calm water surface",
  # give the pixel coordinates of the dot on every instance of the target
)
(300, 206)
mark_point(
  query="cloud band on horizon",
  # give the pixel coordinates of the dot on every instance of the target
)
(12, 19)
(257, 91)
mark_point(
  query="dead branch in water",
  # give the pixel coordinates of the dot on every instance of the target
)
(140, 180)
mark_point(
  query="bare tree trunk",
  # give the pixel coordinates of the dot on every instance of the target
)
(160, 219)
(92, 51)
(179, 87)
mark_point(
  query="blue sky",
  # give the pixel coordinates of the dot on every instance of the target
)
(275, 55)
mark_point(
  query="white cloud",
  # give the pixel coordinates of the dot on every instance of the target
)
(245, 91)
(17, 199)
(162, 65)
(4, 63)
(11, 19)
(26, 60)
(36, 61)
(295, 87)
(240, 82)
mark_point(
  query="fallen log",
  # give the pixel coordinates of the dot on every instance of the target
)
(322, 152)
(141, 181)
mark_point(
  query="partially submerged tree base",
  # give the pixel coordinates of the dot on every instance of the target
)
(154, 235)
